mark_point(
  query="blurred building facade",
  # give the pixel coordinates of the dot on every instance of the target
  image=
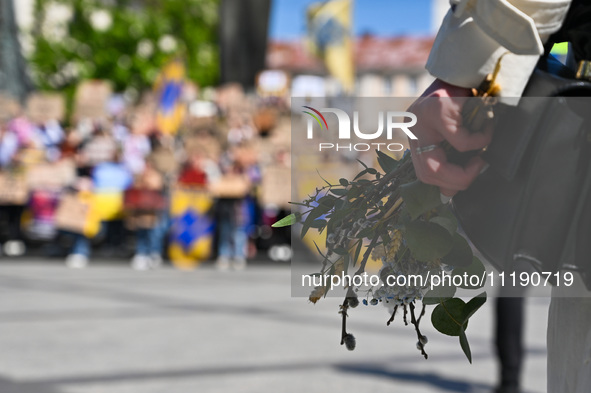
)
(385, 67)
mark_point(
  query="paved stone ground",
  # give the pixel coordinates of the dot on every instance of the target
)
(110, 329)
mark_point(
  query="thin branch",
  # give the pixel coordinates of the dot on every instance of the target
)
(420, 337)
(393, 315)
(343, 312)
(405, 314)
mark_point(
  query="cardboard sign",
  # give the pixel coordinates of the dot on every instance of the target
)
(13, 189)
(91, 99)
(43, 107)
(203, 144)
(230, 186)
(164, 160)
(8, 107)
(72, 214)
(55, 175)
(276, 186)
(99, 149)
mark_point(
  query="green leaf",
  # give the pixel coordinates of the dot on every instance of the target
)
(420, 197)
(460, 255)
(363, 172)
(387, 163)
(465, 345)
(447, 223)
(332, 270)
(338, 215)
(474, 269)
(372, 171)
(297, 204)
(355, 192)
(327, 201)
(338, 191)
(318, 224)
(344, 182)
(473, 305)
(428, 241)
(326, 181)
(346, 263)
(439, 294)
(320, 252)
(385, 236)
(361, 162)
(340, 251)
(287, 221)
(447, 317)
(313, 215)
(366, 232)
(445, 212)
(357, 252)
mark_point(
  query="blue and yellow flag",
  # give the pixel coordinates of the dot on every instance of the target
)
(329, 30)
(169, 91)
(192, 228)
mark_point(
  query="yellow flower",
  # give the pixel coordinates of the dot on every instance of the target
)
(394, 245)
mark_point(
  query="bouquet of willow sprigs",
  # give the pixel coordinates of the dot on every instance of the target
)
(402, 223)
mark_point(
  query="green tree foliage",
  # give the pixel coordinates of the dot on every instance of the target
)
(124, 41)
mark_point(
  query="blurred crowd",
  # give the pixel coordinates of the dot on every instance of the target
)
(119, 186)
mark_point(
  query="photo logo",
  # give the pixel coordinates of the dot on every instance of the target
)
(316, 117)
(344, 123)
(391, 121)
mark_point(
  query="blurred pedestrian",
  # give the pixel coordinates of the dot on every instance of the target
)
(233, 211)
(143, 204)
(79, 254)
(12, 239)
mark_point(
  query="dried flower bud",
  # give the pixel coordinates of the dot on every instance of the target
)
(349, 341)
(353, 301)
(373, 302)
(419, 347)
(316, 294)
(424, 340)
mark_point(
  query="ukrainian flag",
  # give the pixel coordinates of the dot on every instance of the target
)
(329, 30)
(192, 229)
(169, 89)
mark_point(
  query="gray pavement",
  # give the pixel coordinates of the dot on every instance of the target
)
(110, 329)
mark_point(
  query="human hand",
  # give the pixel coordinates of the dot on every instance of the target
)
(439, 118)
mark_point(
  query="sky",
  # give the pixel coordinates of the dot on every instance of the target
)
(379, 17)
